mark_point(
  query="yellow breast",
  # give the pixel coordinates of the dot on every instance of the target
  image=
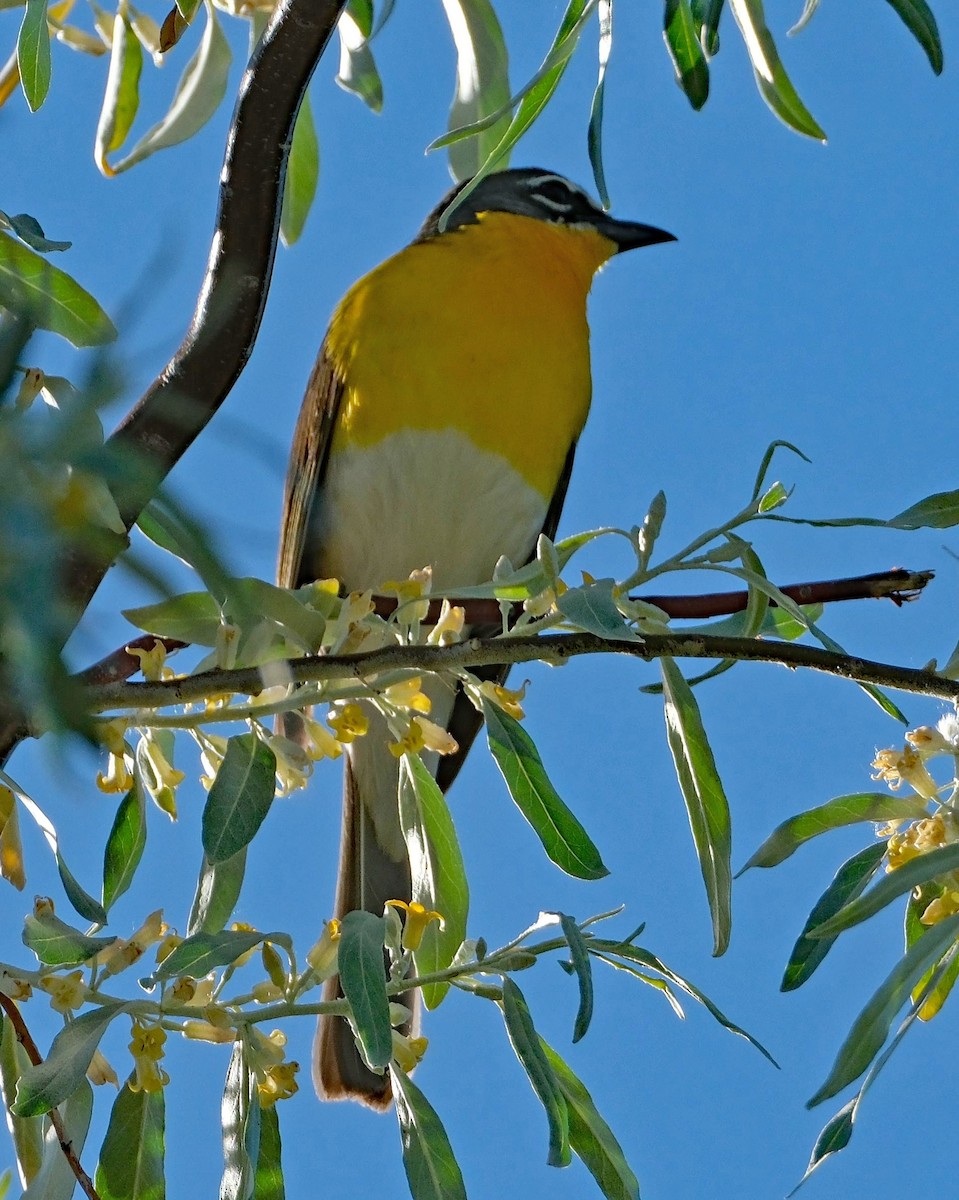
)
(482, 331)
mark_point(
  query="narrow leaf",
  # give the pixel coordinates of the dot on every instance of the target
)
(579, 958)
(689, 61)
(122, 96)
(436, 867)
(125, 844)
(268, 1184)
(240, 1122)
(833, 1137)
(482, 82)
(200, 953)
(131, 1159)
(358, 73)
(594, 130)
(363, 979)
(302, 175)
(217, 891)
(702, 789)
(49, 1083)
(939, 511)
(706, 14)
(431, 1167)
(786, 838)
(239, 798)
(849, 882)
(871, 1027)
(897, 883)
(83, 903)
(774, 84)
(589, 1135)
(55, 1180)
(25, 1132)
(919, 20)
(48, 298)
(33, 53)
(529, 1050)
(564, 839)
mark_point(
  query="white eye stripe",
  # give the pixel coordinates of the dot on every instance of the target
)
(560, 206)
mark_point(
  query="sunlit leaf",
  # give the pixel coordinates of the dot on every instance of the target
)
(60, 1074)
(57, 944)
(689, 60)
(217, 891)
(240, 797)
(125, 844)
(919, 20)
(358, 73)
(580, 964)
(131, 1158)
(55, 1180)
(363, 980)
(592, 608)
(33, 53)
(431, 1167)
(482, 82)
(302, 175)
(200, 953)
(939, 511)
(122, 96)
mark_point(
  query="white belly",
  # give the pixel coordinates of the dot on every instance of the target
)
(421, 498)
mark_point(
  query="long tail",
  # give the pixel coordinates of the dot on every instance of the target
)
(373, 869)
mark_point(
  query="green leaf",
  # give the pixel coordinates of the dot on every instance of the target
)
(26, 1132)
(529, 1050)
(81, 900)
(29, 230)
(809, 9)
(193, 617)
(358, 73)
(124, 848)
(871, 1027)
(55, 1180)
(786, 838)
(897, 883)
(532, 99)
(849, 882)
(269, 1169)
(197, 97)
(689, 61)
(198, 954)
(217, 891)
(431, 1167)
(774, 84)
(833, 1137)
(594, 130)
(239, 798)
(564, 838)
(131, 1159)
(47, 1084)
(33, 53)
(482, 82)
(593, 609)
(240, 1117)
(702, 789)
(919, 20)
(939, 511)
(57, 944)
(121, 98)
(48, 298)
(436, 867)
(302, 175)
(579, 961)
(589, 1135)
(363, 980)
(706, 14)
(631, 953)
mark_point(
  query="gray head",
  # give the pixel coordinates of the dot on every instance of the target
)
(544, 196)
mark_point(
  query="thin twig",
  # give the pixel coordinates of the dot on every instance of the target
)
(30, 1046)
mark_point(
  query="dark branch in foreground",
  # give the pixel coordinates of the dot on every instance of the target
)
(30, 1046)
(555, 649)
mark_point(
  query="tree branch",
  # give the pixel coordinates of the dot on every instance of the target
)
(30, 1046)
(554, 649)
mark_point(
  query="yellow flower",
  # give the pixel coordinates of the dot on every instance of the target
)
(205, 1031)
(416, 923)
(293, 764)
(408, 695)
(118, 776)
(159, 776)
(412, 602)
(16, 989)
(412, 742)
(510, 700)
(212, 753)
(66, 991)
(946, 905)
(278, 1083)
(321, 743)
(436, 738)
(146, 1047)
(122, 954)
(322, 956)
(905, 767)
(100, 1072)
(449, 628)
(928, 741)
(243, 927)
(168, 943)
(151, 660)
(408, 1052)
(348, 723)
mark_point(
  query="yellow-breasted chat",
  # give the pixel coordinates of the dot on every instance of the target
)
(438, 429)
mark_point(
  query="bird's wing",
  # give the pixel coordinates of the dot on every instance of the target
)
(465, 722)
(311, 445)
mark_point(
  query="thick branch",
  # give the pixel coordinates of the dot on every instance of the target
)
(553, 649)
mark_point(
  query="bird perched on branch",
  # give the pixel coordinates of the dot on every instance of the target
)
(438, 428)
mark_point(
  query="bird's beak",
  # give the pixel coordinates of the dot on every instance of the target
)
(630, 235)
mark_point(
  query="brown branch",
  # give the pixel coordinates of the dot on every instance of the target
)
(897, 585)
(190, 389)
(30, 1046)
(554, 649)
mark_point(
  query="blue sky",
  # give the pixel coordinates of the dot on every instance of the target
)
(811, 296)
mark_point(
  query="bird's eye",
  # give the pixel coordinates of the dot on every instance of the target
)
(555, 194)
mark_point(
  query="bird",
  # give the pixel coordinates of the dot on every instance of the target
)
(438, 429)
